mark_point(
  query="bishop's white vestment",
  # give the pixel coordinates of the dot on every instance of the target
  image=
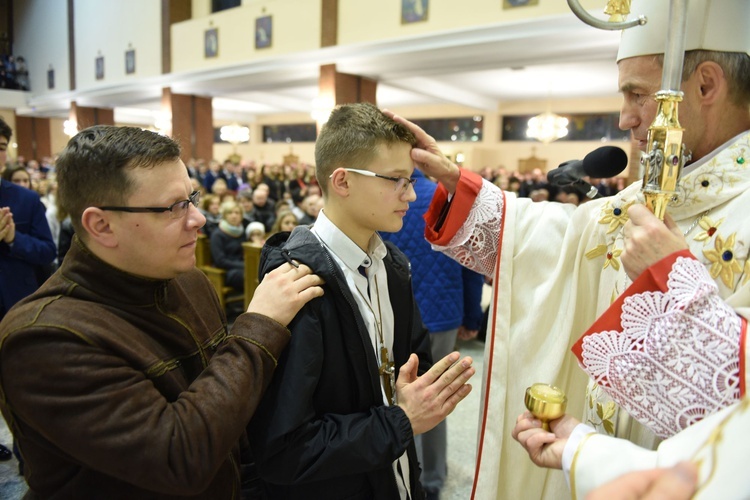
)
(556, 269)
(719, 445)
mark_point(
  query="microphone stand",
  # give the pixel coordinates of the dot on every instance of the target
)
(588, 190)
(667, 155)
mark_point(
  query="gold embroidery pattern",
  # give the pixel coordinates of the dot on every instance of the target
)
(603, 417)
(747, 272)
(710, 446)
(612, 259)
(709, 228)
(612, 256)
(718, 174)
(597, 251)
(723, 261)
(615, 216)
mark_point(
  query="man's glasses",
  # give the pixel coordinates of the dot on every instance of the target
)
(176, 210)
(402, 183)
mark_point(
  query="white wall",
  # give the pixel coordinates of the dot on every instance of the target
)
(296, 28)
(138, 26)
(41, 37)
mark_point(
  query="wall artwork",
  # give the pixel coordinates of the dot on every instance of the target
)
(100, 68)
(130, 61)
(413, 11)
(509, 4)
(211, 39)
(263, 32)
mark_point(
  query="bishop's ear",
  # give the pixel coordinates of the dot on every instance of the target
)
(711, 80)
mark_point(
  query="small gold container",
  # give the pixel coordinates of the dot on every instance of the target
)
(546, 402)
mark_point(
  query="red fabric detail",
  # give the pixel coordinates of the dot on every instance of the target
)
(467, 189)
(488, 368)
(743, 356)
(652, 279)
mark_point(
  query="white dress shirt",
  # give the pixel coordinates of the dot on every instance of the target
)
(373, 305)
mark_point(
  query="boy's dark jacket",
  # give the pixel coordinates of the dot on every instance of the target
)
(322, 429)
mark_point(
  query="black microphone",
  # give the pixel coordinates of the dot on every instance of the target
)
(605, 162)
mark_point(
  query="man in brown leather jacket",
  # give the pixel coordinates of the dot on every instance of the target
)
(119, 377)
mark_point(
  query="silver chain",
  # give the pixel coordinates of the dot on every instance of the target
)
(695, 222)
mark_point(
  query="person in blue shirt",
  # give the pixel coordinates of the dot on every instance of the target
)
(25, 241)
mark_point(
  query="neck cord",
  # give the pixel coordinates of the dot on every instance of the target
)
(695, 222)
(387, 370)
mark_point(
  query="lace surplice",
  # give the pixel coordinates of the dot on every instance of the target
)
(676, 358)
(475, 244)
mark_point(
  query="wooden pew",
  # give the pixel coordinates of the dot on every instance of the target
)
(215, 275)
(251, 255)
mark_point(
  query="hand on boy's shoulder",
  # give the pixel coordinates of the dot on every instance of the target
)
(284, 291)
(428, 399)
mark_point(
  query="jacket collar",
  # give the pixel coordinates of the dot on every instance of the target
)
(87, 270)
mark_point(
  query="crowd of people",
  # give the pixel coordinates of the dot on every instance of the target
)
(533, 184)
(276, 196)
(14, 73)
(270, 198)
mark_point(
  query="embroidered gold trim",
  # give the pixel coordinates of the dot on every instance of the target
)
(713, 441)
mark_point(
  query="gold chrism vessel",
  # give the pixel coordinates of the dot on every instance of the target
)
(546, 402)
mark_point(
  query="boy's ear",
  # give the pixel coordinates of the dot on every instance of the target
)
(340, 183)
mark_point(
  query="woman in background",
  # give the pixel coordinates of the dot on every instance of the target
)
(285, 222)
(211, 210)
(17, 175)
(226, 245)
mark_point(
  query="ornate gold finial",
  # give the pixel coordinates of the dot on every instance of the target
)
(618, 10)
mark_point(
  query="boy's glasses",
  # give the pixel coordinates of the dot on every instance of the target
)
(402, 183)
(177, 210)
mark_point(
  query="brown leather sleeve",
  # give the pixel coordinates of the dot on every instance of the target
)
(80, 402)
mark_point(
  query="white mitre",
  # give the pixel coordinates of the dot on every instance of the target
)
(720, 25)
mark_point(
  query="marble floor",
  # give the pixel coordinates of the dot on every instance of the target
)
(462, 429)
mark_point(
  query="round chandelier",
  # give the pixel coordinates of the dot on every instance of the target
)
(547, 127)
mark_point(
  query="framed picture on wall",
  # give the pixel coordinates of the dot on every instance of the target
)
(130, 61)
(50, 78)
(263, 32)
(211, 43)
(413, 11)
(509, 4)
(100, 68)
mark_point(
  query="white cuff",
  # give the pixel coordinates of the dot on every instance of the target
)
(581, 431)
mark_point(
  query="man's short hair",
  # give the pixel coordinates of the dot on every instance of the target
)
(94, 168)
(736, 66)
(5, 130)
(351, 138)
